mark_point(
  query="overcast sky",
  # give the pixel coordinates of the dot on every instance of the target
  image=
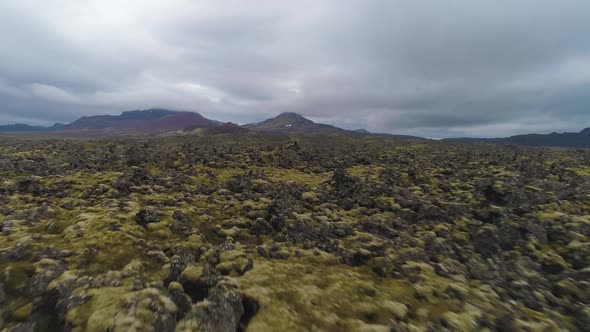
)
(430, 68)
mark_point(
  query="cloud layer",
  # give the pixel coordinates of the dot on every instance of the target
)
(458, 68)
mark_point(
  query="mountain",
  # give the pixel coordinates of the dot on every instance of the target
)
(159, 120)
(293, 123)
(573, 140)
(19, 127)
(567, 140)
(152, 120)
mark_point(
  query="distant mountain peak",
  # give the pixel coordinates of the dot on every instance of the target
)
(294, 119)
(290, 114)
(288, 121)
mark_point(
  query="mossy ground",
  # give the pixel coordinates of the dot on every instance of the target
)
(343, 233)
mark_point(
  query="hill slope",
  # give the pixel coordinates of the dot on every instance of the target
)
(19, 127)
(569, 140)
(180, 121)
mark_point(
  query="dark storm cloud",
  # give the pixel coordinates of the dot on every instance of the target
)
(477, 68)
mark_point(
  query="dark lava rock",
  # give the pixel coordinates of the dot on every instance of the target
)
(145, 217)
(222, 312)
(177, 265)
(485, 241)
(260, 227)
(508, 235)
(183, 302)
(30, 186)
(17, 252)
(179, 224)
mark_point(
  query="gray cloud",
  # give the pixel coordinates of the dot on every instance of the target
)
(408, 67)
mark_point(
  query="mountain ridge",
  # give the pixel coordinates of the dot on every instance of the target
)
(160, 120)
(579, 139)
(151, 120)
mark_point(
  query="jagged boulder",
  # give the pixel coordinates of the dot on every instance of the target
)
(221, 311)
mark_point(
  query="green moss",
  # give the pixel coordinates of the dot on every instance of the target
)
(581, 171)
(310, 197)
(371, 172)
(23, 313)
(118, 309)
(549, 215)
(16, 276)
(291, 175)
(464, 321)
(312, 293)
(533, 188)
(507, 174)
(175, 286)
(98, 248)
(192, 273)
(102, 307)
